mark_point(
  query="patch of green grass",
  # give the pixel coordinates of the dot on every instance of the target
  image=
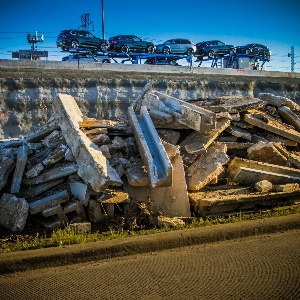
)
(66, 236)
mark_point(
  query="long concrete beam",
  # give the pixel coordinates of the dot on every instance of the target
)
(154, 156)
(93, 166)
(183, 112)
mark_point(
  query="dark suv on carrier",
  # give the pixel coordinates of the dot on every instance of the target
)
(74, 38)
(130, 43)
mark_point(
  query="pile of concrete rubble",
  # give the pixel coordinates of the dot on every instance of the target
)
(168, 158)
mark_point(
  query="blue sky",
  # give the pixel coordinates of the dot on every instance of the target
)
(274, 23)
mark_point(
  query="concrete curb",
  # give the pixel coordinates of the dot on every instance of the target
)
(52, 257)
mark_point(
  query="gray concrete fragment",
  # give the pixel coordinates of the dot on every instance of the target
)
(114, 196)
(54, 157)
(269, 153)
(263, 186)
(93, 165)
(268, 123)
(161, 116)
(35, 171)
(100, 139)
(76, 209)
(105, 151)
(108, 124)
(286, 188)
(236, 145)
(206, 167)
(279, 101)
(48, 202)
(82, 192)
(19, 170)
(52, 173)
(43, 131)
(248, 172)
(96, 131)
(69, 155)
(136, 104)
(294, 159)
(137, 175)
(54, 140)
(14, 142)
(289, 117)
(239, 132)
(57, 213)
(13, 212)
(159, 168)
(169, 136)
(95, 212)
(6, 166)
(35, 190)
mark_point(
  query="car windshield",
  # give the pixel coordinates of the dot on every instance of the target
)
(168, 41)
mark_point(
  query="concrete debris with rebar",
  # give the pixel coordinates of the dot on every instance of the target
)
(170, 157)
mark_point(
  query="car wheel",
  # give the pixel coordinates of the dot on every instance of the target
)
(150, 49)
(74, 44)
(211, 53)
(103, 47)
(166, 50)
(190, 51)
(247, 51)
(124, 49)
(106, 61)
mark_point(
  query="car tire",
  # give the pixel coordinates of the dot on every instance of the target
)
(74, 44)
(150, 49)
(103, 47)
(106, 61)
(124, 49)
(190, 51)
(166, 50)
(211, 53)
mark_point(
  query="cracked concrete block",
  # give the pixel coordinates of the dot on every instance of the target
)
(95, 211)
(239, 132)
(35, 190)
(248, 172)
(169, 136)
(263, 186)
(13, 212)
(37, 158)
(105, 151)
(268, 123)
(54, 217)
(54, 140)
(77, 210)
(48, 202)
(268, 153)
(93, 165)
(278, 101)
(40, 133)
(6, 167)
(289, 117)
(54, 157)
(96, 131)
(206, 167)
(294, 159)
(69, 155)
(278, 139)
(137, 175)
(100, 139)
(82, 192)
(19, 170)
(52, 173)
(114, 196)
(160, 116)
(35, 171)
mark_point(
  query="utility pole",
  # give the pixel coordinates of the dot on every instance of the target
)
(292, 56)
(103, 36)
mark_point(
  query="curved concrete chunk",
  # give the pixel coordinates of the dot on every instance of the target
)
(93, 166)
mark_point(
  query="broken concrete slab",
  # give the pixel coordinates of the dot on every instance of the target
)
(100, 139)
(206, 167)
(57, 213)
(269, 153)
(193, 116)
(13, 212)
(263, 186)
(76, 209)
(35, 171)
(96, 131)
(37, 158)
(249, 172)
(160, 116)
(35, 190)
(13, 142)
(95, 211)
(48, 202)
(19, 170)
(6, 167)
(239, 132)
(294, 159)
(82, 192)
(114, 196)
(93, 123)
(169, 136)
(137, 175)
(237, 200)
(54, 157)
(54, 140)
(159, 168)
(278, 101)
(268, 123)
(40, 133)
(236, 145)
(93, 165)
(289, 117)
(52, 173)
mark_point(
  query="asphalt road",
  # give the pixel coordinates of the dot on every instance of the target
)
(261, 267)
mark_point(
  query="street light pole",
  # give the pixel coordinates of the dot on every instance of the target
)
(103, 19)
